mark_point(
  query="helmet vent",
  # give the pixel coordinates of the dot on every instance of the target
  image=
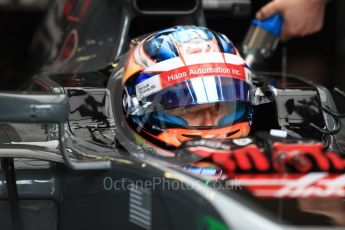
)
(232, 133)
(192, 136)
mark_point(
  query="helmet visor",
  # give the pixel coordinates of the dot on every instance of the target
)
(203, 116)
(207, 91)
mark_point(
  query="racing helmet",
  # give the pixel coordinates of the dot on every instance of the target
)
(183, 83)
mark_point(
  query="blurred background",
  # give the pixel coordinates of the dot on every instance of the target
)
(319, 57)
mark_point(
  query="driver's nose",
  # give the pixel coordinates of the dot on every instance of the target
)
(207, 118)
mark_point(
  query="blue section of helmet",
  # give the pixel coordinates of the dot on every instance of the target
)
(136, 80)
(226, 44)
(160, 47)
(226, 47)
(142, 77)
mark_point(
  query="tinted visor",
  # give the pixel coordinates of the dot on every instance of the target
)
(202, 102)
(208, 115)
(198, 91)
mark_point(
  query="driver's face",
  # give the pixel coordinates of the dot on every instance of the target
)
(202, 115)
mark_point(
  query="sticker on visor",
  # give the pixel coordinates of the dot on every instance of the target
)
(178, 75)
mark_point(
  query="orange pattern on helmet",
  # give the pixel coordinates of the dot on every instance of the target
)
(131, 67)
(176, 136)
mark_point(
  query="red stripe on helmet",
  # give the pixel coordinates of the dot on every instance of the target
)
(184, 73)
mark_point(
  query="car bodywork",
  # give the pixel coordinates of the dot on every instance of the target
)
(62, 168)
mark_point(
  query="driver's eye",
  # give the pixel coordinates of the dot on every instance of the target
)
(217, 107)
